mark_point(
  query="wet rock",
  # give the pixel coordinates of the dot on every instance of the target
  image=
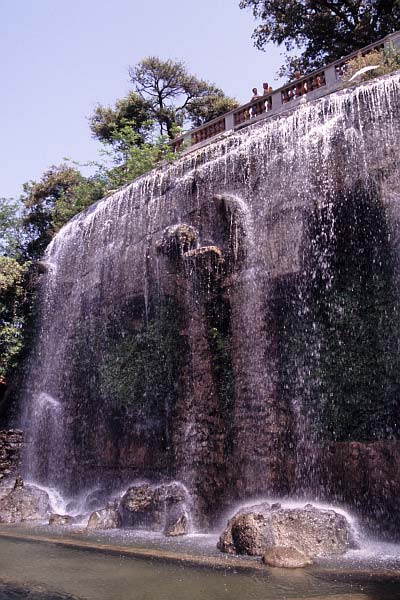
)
(158, 508)
(176, 526)
(176, 518)
(60, 520)
(207, 259)
(42, 266)
(11, 443)
(176, 240)
(105, 518)
(24, 503)
(142, 506)
(286, 558)
(313, 531)
(19, 483)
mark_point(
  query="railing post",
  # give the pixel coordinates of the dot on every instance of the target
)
(187, 140)
(276, 100)
(330, 76)
(229, 121)
(395, 40)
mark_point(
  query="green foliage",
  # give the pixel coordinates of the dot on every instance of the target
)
(340, 340)
(9, 227)
(175, 96)
(325, 30)
(61, 193)
(140, 370)
(386, 60)
(127, 157)
(207, 108)
(12, 298)
(106, 121)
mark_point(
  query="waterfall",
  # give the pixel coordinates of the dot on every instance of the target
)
(140, 371)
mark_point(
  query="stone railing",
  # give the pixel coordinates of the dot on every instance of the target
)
(314, 85)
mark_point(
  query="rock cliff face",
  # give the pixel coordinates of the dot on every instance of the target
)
(11, 442)
(226, 318)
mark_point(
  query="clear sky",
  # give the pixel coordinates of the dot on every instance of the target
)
(61, 57)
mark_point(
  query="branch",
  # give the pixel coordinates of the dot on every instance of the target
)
(339, 13)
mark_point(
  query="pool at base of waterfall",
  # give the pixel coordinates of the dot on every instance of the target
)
(45, 571)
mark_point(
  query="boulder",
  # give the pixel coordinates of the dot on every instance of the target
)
(24, 503)
(158, 508)
(286, 558)
(60, 520)
(105, 518)
(142, 506)
(310, 530)
(176, 518)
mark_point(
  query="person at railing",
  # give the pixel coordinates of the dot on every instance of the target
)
(254, 110)
(300, 88)
(267, 89)
(255, 95)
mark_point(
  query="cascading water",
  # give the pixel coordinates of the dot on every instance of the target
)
(230, 361)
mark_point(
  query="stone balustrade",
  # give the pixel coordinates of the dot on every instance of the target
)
(314, 85)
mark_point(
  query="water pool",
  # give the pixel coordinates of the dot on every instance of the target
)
(46, 571)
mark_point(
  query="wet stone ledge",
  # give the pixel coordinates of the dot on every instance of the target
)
(11, 442)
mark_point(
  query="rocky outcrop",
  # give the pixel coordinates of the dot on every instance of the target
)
(105, 518)
(286, 558)
(176, 517)
(11, 442)
(176, 240)
(60, 520)
(24, 503)
(310, 530)
(158, 508)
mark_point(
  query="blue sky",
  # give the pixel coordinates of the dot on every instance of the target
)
(61, 57)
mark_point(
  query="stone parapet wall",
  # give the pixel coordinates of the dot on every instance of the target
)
(11, 442)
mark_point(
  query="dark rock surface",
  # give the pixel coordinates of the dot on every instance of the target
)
(367, 476)
(11, 443)
(310, 530)
(158, 508)
(24, 503)
(287, 558)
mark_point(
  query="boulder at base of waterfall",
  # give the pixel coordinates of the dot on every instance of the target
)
(285, 558)
(157, 508)
(311, 530)
(176, 518)
(60, 520)
(24, 503)
(105, 518)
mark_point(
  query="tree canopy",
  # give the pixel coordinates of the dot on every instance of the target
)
(324, 30)
(132, 109)
(174, 96)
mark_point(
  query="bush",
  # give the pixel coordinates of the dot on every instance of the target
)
(386, 60)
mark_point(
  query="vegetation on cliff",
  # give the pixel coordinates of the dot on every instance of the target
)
(323, 30)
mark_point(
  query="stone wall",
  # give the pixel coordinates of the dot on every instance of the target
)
(11, 442)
